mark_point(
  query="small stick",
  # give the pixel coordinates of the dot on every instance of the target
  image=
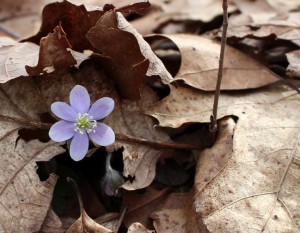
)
(213, 118)
(119, 137)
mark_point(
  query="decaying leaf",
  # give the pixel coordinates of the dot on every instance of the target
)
(200, 62)
(54, 53)
(52, 223)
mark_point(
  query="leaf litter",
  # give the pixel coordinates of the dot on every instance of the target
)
(248, 178)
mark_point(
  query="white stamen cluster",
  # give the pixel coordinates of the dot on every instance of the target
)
(85, 123)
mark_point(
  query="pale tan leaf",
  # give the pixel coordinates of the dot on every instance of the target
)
(24, 199)
(258, 190)
(293, 70)
(205, 10)
(211, 161)
(138, 228)
(200, 62)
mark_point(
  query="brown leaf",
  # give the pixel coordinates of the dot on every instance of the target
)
(293, 70)
(54, 53)
(76, 21)
(200, 62)
(125, 62)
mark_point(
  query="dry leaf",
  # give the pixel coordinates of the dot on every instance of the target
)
(52, 224)
(156, 67)
(205, 10)
(293, 70)
(258, 189)
(125, 62)
(200, 62)
(212, 160)
(75, 20)
(138, 228)
(54, 53)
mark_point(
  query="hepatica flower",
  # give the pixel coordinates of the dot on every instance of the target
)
(80, 121)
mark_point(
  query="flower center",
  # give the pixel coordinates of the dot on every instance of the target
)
(85, 123)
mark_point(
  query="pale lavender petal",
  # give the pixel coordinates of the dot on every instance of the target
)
(79, 146)
(101, 108)
(103, 135)
(80, 99)
(62, 131)
(63, 111)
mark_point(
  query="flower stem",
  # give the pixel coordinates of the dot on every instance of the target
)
(213, 118)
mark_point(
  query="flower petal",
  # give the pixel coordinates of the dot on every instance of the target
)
(101, 108)
(80, 99)
(64, 111)
(103, 135)
(62, 131)
(79, 146)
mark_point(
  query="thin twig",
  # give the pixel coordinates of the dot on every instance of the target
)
(213, 118)
(119, 137)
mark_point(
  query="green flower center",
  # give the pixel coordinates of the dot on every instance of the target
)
(85, 123)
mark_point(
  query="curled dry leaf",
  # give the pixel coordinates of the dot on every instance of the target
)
(125, 62)
(293, 70)
(54, 53)
(200, 62)
(75, 20)
(138, 228)
(52, 223)
(125, 54)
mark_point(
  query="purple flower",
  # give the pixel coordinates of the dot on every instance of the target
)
(80, 121)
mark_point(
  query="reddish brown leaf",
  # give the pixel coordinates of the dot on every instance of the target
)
(123, 58)
(54, 53)
(76, 21)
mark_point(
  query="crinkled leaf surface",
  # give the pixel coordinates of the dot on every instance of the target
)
(138, 228)
(200, 62)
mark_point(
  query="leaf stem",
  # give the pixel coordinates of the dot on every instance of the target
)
(213, 118)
